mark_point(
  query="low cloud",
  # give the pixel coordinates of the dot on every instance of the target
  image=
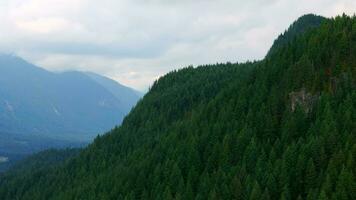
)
(136, 41)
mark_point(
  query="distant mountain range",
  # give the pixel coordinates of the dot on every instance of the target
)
(37, 106)
(70, 105)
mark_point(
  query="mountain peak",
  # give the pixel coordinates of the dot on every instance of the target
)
(298, 27)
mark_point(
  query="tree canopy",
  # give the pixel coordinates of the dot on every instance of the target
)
(227, 131)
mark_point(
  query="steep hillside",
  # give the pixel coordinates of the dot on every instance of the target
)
(281, 128)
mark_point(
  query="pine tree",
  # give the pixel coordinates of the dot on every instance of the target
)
(265, 195)
(256, 192)
(236, 189)
(310, 176)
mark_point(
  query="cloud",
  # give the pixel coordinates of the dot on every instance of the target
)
(136, 41)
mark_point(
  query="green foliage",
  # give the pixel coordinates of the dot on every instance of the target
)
(226, 131)
(302, 25)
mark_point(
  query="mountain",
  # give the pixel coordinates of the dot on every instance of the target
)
(300, 26)
(40, 109)
(279, 128)
(59, 105)
(126, 96)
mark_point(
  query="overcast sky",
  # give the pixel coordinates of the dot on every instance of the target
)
(136, 41)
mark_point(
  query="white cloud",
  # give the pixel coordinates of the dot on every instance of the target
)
(136, 41)
(43, 25)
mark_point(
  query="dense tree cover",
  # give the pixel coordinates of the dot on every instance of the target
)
(227, 131)
(302, 25)
(43, 159)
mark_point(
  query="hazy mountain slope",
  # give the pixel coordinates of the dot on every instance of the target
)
(280, 128)
(41, 109)
(126, 96)
(65, 105)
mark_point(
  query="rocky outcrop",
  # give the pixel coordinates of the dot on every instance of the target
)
(303, 99)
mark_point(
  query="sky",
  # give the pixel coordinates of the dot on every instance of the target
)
(136, 41)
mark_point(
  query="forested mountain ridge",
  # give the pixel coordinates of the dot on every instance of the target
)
(280, 128)
(302, 25)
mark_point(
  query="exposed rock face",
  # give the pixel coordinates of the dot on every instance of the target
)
(3, 159)
(303, 99)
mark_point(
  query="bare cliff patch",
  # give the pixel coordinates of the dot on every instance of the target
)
(303, 99)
